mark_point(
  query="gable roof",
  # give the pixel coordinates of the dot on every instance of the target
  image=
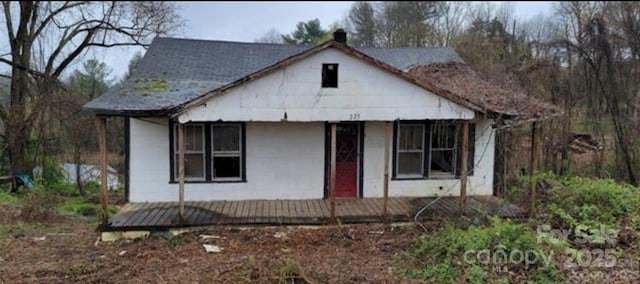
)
(174, 72)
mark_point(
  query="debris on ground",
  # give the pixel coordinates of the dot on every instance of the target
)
(208, 237)
(279, 235)
(39, 238)
(318, 254)
(122, 253)
(212, 248)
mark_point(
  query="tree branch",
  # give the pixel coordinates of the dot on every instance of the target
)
(31, 71)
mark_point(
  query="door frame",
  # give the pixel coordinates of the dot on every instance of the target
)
(327, 158)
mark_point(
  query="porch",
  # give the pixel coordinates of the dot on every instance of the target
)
(158, 215)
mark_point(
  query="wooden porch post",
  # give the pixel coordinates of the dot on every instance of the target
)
(464, 154)
(181, 170)
(332, 175)
(387, 146)
(535, 144)
(101, 124)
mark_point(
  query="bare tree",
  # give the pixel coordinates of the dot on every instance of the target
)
(64, 31)
(451, 21)
(270, 36)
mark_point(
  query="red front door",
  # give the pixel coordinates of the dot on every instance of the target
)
(347, 157)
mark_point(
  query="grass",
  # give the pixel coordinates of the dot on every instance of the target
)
(8, 198)
(81, 207)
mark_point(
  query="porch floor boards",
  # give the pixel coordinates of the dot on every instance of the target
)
(157, 215)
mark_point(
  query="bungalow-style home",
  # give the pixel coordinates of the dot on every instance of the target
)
(287, 122)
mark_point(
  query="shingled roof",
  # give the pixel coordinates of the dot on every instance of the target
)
(176, 74)
(176, 71)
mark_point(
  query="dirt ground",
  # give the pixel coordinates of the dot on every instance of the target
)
(66, 250)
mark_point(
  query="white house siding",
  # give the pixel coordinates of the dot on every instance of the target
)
(283, 161)
(481, 183)
(365, 93)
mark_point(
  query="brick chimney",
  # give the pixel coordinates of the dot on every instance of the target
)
(340, 36)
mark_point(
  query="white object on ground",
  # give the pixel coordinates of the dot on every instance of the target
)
(212, 248)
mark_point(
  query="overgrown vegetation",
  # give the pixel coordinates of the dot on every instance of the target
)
(490, 253)
(580, 222)
(580, 201)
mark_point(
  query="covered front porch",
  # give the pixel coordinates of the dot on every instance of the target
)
(160, 215)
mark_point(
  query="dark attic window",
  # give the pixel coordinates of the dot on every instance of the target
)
(329, 75)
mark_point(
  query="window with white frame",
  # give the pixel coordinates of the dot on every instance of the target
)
(194, 144)
(226, 151)
(429, 149)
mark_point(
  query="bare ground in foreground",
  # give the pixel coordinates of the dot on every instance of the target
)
(64, 249)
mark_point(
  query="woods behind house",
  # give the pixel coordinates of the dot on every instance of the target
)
(582, 57)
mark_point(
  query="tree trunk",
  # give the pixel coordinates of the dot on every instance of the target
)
(76, 160)
(17, 128)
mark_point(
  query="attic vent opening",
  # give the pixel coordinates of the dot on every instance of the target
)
(330, 75)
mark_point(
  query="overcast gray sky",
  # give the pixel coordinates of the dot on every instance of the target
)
(246, 21)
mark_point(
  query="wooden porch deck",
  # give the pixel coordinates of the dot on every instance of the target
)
(158, 215)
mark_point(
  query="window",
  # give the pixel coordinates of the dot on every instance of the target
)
(226, 154)
(410, 159)
(193, 152)
(443, 149)
(429, 149)
(329, 75)
(214, 152)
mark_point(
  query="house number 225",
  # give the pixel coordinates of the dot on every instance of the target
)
(354, 116)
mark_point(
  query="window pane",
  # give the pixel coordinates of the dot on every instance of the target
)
(193, 138)
(410, 163)
(226, 167)
(226, 138)
(411, 137)
(193, 166)
(442, 161)
(443, 136)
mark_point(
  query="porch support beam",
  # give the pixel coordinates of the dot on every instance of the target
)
(535, 149)
(332, 174)
(101, 124)
(387, 149)
(181, 171)
(464, 158)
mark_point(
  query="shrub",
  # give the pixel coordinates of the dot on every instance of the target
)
(37, 204)
(7, 197)
(92, 186)
(480, 254)
(591, 203)
(86, 208)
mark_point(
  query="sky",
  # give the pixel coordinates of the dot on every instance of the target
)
(247, 21)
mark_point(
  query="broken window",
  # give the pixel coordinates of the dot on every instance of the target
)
(329, 75)
(443, 149)
(227, 154)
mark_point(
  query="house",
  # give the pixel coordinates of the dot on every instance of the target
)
(265, 121)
